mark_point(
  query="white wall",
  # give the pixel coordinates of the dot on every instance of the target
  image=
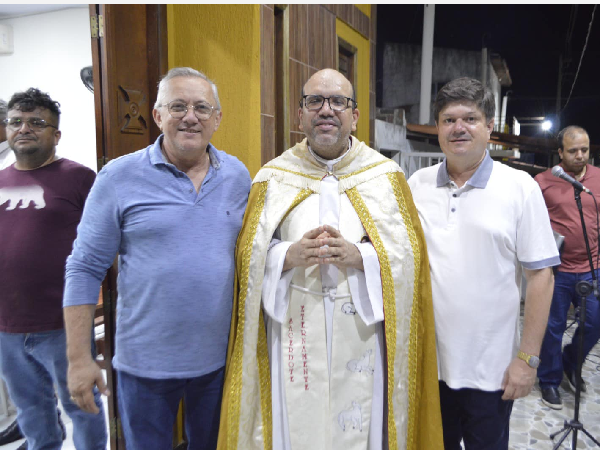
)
(49, 51)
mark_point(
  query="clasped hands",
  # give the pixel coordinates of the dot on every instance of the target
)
(323, 245)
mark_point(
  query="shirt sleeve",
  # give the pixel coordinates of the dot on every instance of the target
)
(97, 244)
(87, 182)
(276, 283)
(536, 247)
(365, 286)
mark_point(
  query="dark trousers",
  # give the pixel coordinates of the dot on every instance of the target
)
(480, 418)
(148, 409)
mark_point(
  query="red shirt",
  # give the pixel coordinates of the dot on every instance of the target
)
(564, 217)
(39, 213)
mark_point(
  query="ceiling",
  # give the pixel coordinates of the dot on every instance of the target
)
(10, 11)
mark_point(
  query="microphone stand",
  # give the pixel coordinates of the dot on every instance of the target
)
(583, 289)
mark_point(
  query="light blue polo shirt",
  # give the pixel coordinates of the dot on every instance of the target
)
(176, 259)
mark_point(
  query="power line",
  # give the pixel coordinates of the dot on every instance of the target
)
(571, 29)
(581, 59)
(515, 98)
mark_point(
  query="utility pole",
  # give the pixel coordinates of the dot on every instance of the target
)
(426, 63)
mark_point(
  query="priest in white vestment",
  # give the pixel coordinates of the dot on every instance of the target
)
(332, 343)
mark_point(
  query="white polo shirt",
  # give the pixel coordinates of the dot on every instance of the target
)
(478, 237)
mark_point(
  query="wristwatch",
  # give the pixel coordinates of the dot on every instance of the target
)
(531, 360)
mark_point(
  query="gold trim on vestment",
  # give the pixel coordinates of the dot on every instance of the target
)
(300, 174)
(389, 303)
(237, 356)
(364, 169)
(413, 344)
(302, 195)
(264, 374)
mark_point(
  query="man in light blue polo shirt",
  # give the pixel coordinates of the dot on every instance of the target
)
(172, 212)
(484, 224)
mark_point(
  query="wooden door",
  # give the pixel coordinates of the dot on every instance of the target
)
(129, 55)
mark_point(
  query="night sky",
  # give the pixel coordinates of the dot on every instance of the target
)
(530, 39)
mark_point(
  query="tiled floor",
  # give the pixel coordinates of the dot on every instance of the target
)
(531, 422)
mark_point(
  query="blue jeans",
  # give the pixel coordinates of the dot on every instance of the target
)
(31, 364)
(550, 371)
(480, 418)
(148, 409)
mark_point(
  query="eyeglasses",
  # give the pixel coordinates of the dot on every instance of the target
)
(177, 109)
(336, 102)
(34, 123)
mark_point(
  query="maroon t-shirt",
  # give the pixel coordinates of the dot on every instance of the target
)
(565, 220)
(39, 213)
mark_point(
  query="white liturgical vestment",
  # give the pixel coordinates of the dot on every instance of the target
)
(312, 363)
(364, 298)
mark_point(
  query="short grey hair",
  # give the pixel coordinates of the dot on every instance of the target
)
(3, 110)
(183, 72)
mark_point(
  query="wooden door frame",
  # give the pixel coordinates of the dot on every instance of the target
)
(108, 130)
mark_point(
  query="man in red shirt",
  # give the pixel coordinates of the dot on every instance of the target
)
(574, 152)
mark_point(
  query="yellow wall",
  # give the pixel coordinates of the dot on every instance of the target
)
(223, 41)
(363, 59)
(366, 9)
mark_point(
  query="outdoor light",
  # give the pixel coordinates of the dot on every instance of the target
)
(546, 125)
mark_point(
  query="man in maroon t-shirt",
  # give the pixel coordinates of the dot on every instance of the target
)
(574, 152)
(41, 202)
(12, 432)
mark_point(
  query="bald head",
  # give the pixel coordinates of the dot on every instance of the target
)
(331, 115)
(336, 77)
(569, 132)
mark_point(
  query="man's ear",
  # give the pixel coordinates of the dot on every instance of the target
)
(300, 114)
(218, 119)
(490, 126)
(355, 116)
(157, 118)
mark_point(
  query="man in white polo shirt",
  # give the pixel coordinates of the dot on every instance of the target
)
(484, 224)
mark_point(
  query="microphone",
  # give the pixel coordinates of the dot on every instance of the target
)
(558, 171)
